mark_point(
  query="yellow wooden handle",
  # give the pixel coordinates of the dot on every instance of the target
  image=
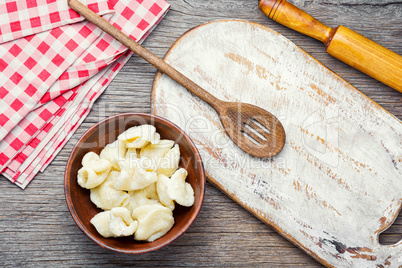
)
(341, 42)
(367, 56)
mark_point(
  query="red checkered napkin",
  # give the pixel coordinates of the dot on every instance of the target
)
(33, 123)
(19, 18)
(30, 66)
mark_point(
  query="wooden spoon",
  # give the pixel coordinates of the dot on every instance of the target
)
(254, 130)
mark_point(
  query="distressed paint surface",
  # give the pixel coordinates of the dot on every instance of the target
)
(338, 181)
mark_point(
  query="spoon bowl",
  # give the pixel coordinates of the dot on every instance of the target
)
(255, 130)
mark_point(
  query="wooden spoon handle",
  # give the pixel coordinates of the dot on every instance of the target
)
(342, 43)
(144, 53)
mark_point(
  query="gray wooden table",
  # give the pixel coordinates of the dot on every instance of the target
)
(36, 228)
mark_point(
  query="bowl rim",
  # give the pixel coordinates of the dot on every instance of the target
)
(77, 219)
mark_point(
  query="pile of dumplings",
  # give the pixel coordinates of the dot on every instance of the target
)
(136, 180)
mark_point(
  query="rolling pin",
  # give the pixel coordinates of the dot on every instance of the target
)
(342, 43)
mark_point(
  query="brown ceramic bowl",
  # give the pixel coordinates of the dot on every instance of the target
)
(107, 131)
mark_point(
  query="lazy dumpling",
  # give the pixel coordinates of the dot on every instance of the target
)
(101, 221)
(106, 197)
(133, 176)
(162, 190)
(121, 223)
(179, 190)
(154, 221)
(146, 196)
(151, 191)
(137, 137)
(169, 163)
(94, 170)
(152, 155)
(113, 152)
(114, 223)
(156, 150)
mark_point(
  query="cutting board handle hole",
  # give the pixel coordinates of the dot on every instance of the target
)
(393, 234)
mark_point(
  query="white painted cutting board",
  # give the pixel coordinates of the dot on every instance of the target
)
(338, 181)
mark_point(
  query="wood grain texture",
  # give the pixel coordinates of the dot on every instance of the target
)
(36, 228)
